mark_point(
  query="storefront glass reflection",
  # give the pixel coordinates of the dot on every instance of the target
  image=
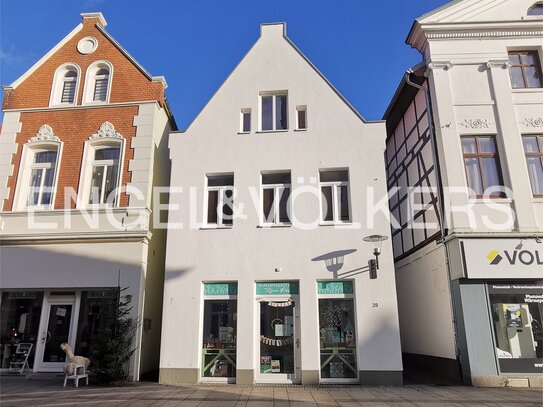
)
(277, 337)
(337, 339)
(517, 311)
(19, 322)
(219, 345)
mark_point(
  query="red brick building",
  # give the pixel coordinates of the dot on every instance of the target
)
(82, 145)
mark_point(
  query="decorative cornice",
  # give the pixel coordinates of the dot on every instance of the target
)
(484, 34)
(498, 63)
(475, 123)
(45, 133)
(107, 130)
(532, 122)
(445, 65)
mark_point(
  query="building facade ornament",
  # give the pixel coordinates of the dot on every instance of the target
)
(486, 34)
(532, 121)
(445, 65)
(45, 133)
(475, 123)
(498, 63)
(107, 130)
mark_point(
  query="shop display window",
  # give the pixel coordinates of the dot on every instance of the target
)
(19, 322)
(517, 311)
(96, 315)
(277, 337)
(338, 359)
(219, 338)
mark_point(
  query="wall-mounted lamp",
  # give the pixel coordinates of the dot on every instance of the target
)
(378, 243)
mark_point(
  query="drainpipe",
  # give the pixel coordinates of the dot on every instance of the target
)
(443, 230)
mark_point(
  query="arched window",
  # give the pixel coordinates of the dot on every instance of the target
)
(65, 85)
(68, 88)
(100, 85)
(98, 82)
(536, 10)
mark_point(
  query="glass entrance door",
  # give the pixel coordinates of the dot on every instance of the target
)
(279, 343)
(57, 328)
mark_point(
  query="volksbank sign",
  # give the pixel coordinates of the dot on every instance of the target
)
(502, 258)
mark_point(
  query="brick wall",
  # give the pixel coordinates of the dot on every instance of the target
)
(74, 127)
(129, 83)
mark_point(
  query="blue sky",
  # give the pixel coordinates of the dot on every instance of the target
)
(357, 44)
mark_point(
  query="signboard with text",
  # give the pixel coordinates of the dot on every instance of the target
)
(277, 288)
(502, 258)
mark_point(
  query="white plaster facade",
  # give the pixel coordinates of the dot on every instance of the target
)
(466, 67)
(247, 253)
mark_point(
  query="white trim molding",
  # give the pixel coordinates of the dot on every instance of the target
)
(58, 84)
(45, 133)
(107, 130)
(498, 63)
(532, 122)
(476, 123)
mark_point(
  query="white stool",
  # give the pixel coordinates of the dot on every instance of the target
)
(80, 372)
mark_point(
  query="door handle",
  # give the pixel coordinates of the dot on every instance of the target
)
(297, 343)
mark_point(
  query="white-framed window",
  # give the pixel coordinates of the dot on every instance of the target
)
(105, 175)
(334, 185)
(276, 187)
(219, 200)
(245, 121)
(273, 111)
(65, 85)
(102, 168)
(98, 83)
(38, 171)
(301, 117)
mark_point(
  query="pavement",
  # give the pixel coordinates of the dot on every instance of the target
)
(18, 391)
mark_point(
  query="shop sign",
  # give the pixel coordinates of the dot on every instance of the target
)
(277, 288)
(502, 258)
(22, 295)
(220, 289)
(335, 287)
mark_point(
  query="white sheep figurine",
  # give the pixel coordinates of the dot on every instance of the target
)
(69, 369)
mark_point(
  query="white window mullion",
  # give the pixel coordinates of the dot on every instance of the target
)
(276, 199)
(221, 196)
(335, 200)
(104, 176)
(40, 190)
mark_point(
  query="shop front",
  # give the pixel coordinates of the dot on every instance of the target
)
(498, 298)
(47, 318)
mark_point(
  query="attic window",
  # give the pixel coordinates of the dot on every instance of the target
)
(536, 10)
(65, 85)
(68, 88)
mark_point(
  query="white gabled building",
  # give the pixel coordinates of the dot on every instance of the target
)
(470, 295)
(281, 292)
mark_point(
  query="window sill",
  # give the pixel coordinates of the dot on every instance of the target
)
(538, 199)
(94, 103)
(271, 131)
(349, 223)
(300, 129)
(273, 226)
(214, 227)
(244, 132)
(65, 104)
(527, 90)
(489, 199)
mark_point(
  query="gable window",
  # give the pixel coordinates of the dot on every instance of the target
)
(301, 117)
(482, 165)
(334, 185)
(100, 85)
(245, 120)
(105, 175)
(525, 69)
(42, 177)
(68, 87)
(220, 200)
(65, 85)
(275, 198)
(274, 111)
(536, 10)
(533, 149)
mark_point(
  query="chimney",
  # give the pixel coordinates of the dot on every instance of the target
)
(269, 29)
(94, 18)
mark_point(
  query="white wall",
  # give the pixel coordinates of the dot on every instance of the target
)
(336, 137)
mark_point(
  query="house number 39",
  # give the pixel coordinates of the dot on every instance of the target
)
(374, 304)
